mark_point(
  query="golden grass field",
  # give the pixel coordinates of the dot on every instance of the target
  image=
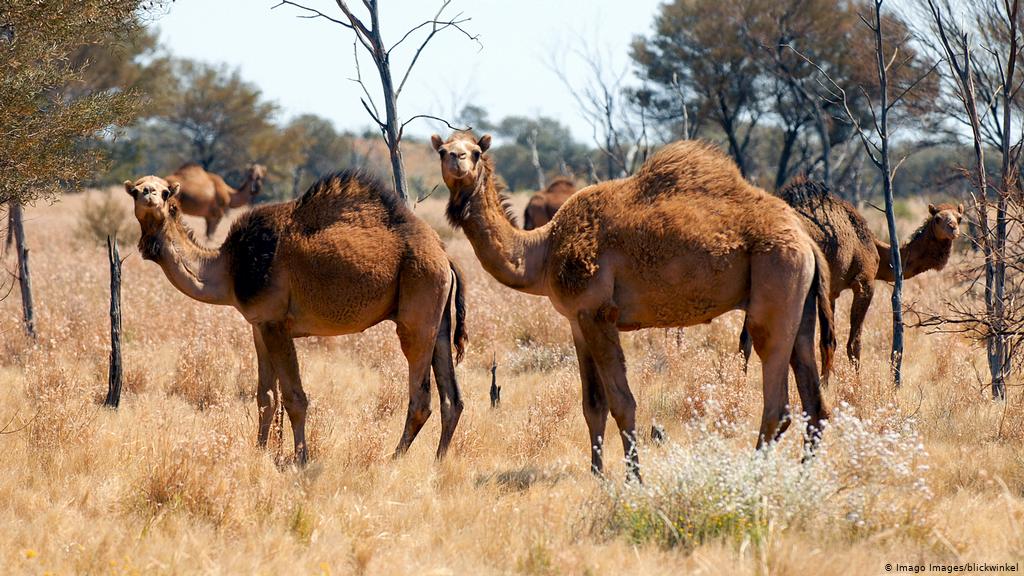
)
(172, 482)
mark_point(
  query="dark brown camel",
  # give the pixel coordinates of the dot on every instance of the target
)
(345, 256)
(543, 205)
(684, 240)
(856, 258)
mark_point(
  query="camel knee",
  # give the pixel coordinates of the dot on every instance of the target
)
(295, 403)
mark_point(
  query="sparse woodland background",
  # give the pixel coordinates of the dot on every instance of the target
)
(172, 482)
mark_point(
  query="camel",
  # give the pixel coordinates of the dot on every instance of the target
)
(681, 242)
(543, 205)
(345, 256)
(206, 195)
(856, 257)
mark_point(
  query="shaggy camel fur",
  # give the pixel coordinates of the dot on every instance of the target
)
(684, 240)
(543, 205)
(345, 256)
(856, 258)
(206, 195)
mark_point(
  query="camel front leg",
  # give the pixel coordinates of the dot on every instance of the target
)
(595, 405)
(266, 390)
(281, 349)
(212, 222)
(602, 340)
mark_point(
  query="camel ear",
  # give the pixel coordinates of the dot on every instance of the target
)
(129, 187)
(484, 143)
(960, 208)
(436, 142)
(932, 209)
(173, 190)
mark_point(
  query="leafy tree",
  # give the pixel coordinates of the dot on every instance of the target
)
(323, 150)
(43, 121)
(219, 113)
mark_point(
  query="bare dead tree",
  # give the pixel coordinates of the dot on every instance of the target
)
(876, 140)
(999, 324)
(618, 122)
(369, 36)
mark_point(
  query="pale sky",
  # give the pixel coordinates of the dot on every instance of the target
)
(304, 65)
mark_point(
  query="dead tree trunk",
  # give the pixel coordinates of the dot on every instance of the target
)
(114, 374)
(24, 278)
(535, 159)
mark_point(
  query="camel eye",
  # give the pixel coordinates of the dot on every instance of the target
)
(442, 152)
(166, 194)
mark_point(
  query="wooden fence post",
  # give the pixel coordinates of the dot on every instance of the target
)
(114, 374)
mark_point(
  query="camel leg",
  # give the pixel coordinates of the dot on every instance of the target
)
(266, 390)
(281, 349)
(746, 345)
(863, 292)
(419, 351)
(212, 222)
(806, 371)
(450, 399)
(595, 405)
(780, 284)
(602, 340)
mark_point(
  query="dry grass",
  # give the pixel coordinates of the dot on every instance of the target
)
(172, 482)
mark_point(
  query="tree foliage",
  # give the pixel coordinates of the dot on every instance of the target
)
(46, 119)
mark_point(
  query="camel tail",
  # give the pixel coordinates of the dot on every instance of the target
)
(460, 337)
(820, 287)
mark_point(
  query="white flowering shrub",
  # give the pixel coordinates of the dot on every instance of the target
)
(865, 476)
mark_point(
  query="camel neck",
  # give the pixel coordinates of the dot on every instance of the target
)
(923, 252)
(515, 257)
(198, 272)
(241, 196)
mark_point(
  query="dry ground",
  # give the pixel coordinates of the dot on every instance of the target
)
(172, 481)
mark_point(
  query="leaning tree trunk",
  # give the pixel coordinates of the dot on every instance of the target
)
(24, 278)
(114, 376)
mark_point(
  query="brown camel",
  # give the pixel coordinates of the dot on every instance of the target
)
(856, 258)
(345, 256)
(543, 205)
(206, 195)
(684, 240)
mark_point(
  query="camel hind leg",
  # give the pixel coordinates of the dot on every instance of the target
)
(449, 397)
(420, 309)
(806, 371)
(780, 284)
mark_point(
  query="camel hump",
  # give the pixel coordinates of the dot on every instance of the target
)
(690, 166)
(348, 190)
(801, 191)
(561, 185)
(188, 167)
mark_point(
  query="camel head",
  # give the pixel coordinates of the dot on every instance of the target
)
(945, 220)
(462, 162)
(154, 198)
(460, 159)
(254, 176)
